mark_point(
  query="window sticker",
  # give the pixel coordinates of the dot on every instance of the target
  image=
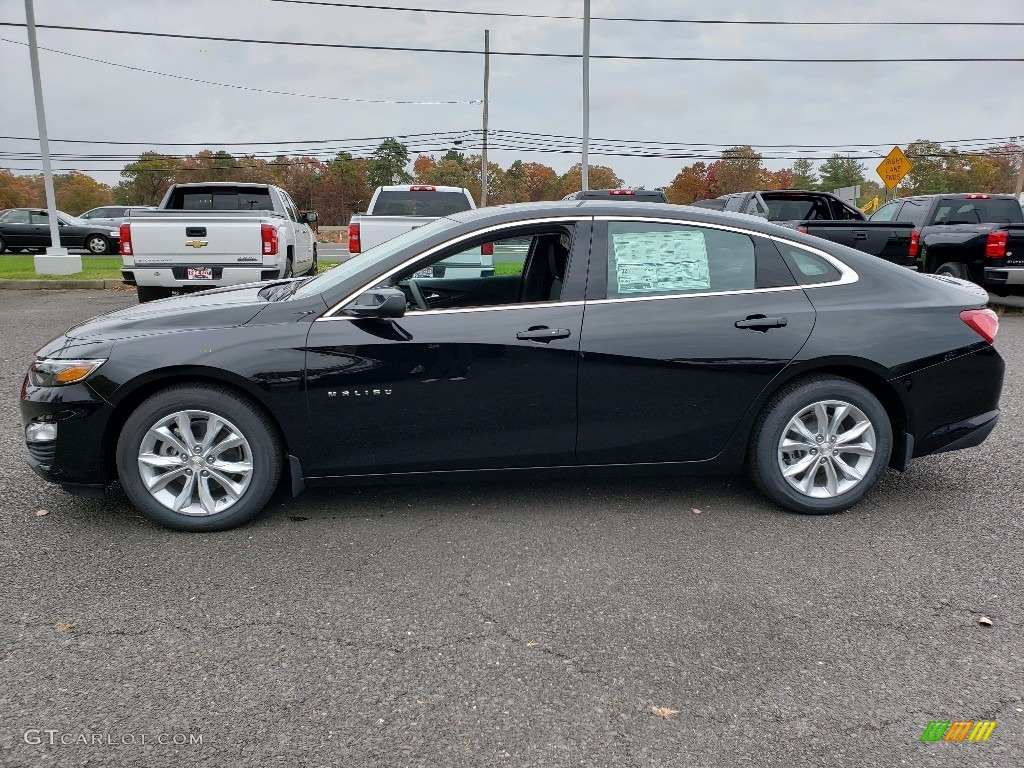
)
(660, 262)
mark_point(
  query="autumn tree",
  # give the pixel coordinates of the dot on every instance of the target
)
(78, 192)
(689, 185)
(598, 177)
(15, 191)
(740, 170)
(144, 181)
(540, 181)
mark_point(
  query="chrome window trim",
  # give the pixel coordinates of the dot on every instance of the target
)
(847, 274)
(559, 219)
(464, 310)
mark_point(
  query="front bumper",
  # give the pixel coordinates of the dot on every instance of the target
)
(76, 460)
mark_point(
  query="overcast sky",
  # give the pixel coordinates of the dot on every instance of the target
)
(699, 102)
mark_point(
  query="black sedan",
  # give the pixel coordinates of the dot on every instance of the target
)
(631, 337)
(28, 229)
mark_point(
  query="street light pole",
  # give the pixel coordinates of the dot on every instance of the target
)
(56, 261)
(586, 95)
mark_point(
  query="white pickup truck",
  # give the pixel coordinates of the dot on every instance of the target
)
(394, 210)
(211, 234)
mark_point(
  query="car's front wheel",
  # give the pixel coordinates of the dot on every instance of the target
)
(97, 245)
(199, 458)
(820, 445)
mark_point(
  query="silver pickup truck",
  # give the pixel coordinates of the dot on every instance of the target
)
(396, 209)
(210, 234)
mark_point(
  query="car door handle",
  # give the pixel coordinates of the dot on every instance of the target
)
(761, 323)
(543, 334)
(860, 235)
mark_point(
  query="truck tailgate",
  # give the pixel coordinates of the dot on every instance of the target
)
(196, 238)
(887, 240)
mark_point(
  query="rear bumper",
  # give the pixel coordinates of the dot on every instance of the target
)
(1004, 276)
(175, 276)
(964, 434)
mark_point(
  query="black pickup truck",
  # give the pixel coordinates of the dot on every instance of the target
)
(975, 237)
(825, 216)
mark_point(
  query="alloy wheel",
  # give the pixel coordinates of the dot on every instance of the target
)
(827, 449)
(195, 463)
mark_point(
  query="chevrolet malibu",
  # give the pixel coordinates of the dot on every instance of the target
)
(626, 337)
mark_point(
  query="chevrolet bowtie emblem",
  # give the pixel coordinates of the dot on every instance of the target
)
(196, 243)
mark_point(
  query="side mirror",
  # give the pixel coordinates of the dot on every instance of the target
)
(310, 217)
(379, 303)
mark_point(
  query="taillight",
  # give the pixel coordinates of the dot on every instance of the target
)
(802, 228)
(487, 249)
(354, 246)
(915, 243)
(269, 234)
(984, 322)
(995, 245)
(126, 239)
(622, 192)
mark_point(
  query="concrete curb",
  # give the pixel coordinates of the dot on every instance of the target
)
(57, 285)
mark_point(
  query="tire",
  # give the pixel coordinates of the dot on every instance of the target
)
(97, 245)
(289, 270)
(151, 293)
(166, 435)
(3, 245)
(825, 486)
(316, 263)
(953, 269)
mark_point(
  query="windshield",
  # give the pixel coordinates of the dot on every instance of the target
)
(375, 255)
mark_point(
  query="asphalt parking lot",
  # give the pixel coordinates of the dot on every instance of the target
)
(513, 624)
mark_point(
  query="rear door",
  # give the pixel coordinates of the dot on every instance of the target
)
(685, 325)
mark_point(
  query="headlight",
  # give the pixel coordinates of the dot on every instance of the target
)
(57, 373)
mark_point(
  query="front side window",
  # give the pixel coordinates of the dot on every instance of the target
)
(40, 218)
(514, 269)
(649, 259)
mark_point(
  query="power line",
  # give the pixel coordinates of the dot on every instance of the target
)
(525, 54)
(238, 87)
(363, 6)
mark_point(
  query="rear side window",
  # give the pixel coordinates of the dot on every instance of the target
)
(886, 212)
(913, 212)
(808, 268)
(425, 203)
(664, 259)
(221, 199)
(14, 217)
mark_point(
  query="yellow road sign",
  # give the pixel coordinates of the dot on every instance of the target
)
(895, 166)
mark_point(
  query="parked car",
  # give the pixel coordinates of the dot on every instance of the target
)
(642, 338)
(112, 215)
(826, 216)
(972, 236)
(211, 234)
(623, 195)
(28, 229)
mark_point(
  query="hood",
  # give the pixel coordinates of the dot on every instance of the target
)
(219, 308)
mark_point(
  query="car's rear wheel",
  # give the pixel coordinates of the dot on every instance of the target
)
(953, 269)
(198, 458)
(3, 245)
(820, 445)
(151, 293)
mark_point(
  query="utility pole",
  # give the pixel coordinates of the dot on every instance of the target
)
(56, 261)
(1020, 177)
(586, 94)
(483, 154)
